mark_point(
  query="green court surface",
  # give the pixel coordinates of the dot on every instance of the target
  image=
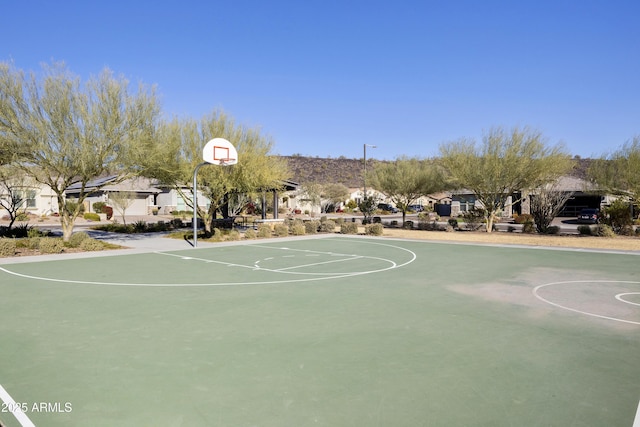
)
(336, 331)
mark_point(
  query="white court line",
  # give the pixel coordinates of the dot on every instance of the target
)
(319, 263)
(15, 409)
(636, 422)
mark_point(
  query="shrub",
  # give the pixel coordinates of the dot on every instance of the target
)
(524, 218)
(374, 229)
(453, 222)
(297, 229)
(7, 247)
(527, 227)
(349, 228)
(140, 226)
(618, 215)
(604, 230)
(216, 235)
(638, 231)
(553, 229)
(327, 226)
(90, 216)
(97, 207)
(473, 219)
(626, 230)
(339, 221)
(584, 230)
(77, 238)
(250, 233)
(90, 244)
(233, 235)
(311, 227)
(22, 216)
(281, 230)
(408, 225)
(32, 242)
(50, 245)
(264, 230)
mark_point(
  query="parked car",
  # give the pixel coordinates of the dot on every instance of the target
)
(588, 216)
(416, 208)
(386, 207)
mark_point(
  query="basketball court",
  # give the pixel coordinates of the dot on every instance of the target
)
(329, 330)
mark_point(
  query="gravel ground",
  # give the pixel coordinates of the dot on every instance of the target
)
(503, 238)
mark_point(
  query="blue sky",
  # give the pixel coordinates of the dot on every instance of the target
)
(322, 78)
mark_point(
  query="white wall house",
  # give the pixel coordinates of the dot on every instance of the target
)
(35, 198)
(136, 196)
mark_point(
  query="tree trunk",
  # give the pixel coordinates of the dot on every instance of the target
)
(490, 221)
(67, 222)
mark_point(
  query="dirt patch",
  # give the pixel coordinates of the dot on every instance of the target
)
(501, 238)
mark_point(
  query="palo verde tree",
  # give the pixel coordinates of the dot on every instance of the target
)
(619, 172)
(506, 163)
(405, 180)
(178, 150)
(64, 132)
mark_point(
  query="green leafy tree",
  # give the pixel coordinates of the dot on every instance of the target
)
(619, 172)
(333, 194)
(507, 162)
(14, 186)
(405, 180)
(63, 132)
(178, 151)
(122, 200)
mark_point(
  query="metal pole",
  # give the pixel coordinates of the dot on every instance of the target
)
(195, 204)
(365, 173)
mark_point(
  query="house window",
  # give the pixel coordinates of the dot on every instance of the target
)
(467, 204)
(27, 197)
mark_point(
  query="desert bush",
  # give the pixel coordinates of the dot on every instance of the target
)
(553, 229)
(281, 230)
(311, 227)
(339, 221)
(7, 247)
(216, 235)
(349, 228)
(50, 245)
(408, 225)
(250, 234)
(453, 222)
(327, 226)
(140, 226)
(584, 230)
(473, 219)
(527, 227)
(605, 230)
(374, 229)
(264, 230)
(90, 244)
(523, 218)
(97, 207)
(626, 230)
(297, 229)
(77, 238)
(618, 215)
(32, 242)
(233, 235)
(90, 216)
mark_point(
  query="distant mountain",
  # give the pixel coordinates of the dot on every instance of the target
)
(350, 171)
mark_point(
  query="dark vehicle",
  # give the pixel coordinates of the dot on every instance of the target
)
(588, 216)
(416, 208)
(387, 208)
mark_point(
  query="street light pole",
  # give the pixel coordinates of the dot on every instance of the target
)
(365, 168)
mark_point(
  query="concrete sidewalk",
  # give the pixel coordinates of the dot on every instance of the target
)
(132, 244)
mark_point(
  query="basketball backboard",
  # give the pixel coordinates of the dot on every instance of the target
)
(219, 151)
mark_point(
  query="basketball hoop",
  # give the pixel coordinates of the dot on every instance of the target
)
(219, 151)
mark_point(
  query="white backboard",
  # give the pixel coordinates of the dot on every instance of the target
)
(219, 151)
